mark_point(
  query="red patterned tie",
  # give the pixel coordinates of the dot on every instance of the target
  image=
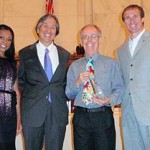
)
(88, 88)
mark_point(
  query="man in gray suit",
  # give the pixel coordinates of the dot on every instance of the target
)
(44, 108)
(134, 57)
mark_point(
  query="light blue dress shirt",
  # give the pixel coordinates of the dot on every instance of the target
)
(106, 73)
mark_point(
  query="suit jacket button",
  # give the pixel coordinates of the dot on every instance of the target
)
(131, 79)
(131, 65)
(46, 97)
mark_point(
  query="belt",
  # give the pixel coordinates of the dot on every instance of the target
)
(5, 91)
(103, 108)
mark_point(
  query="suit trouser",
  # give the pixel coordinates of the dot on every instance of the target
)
(136, 136)
(49, 131)
(94, 130)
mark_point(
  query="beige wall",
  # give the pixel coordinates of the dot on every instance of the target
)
(73, 14)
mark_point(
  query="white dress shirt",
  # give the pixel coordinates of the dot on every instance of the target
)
(53, 54)
(133, 42)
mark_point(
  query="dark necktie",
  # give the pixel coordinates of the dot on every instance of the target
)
(48, 67)
(88, 88)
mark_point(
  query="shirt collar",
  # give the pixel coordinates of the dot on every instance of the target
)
(138, 37)
(94, 57)
(43, 47)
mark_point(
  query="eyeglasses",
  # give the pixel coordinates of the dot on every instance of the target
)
(91, 37)
(2, 37)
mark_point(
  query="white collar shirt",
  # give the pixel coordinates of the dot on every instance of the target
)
(53, 54)
(133, 42)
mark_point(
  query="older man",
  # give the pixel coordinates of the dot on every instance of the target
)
(93, 120)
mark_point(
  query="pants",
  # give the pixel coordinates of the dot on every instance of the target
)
(136, 136)
(94, 130)
(50, 132)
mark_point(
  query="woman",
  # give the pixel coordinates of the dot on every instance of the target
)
(10, 120)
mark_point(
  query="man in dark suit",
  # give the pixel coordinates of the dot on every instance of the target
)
(44, 108)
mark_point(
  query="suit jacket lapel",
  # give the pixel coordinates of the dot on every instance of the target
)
(33, 52)
(140, 44)
(128, 50)
(60, 61)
